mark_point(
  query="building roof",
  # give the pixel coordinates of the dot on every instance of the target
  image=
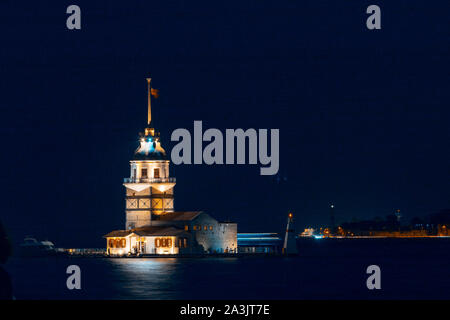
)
(117, 233)
(179, 216)
(147, 232)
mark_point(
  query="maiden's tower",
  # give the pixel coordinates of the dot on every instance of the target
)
(152, 226)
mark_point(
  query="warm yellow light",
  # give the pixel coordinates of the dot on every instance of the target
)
(290, 215)
(163, 187)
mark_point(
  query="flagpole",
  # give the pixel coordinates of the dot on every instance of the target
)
(149, 115)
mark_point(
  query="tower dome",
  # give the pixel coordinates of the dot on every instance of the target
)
(150, 148)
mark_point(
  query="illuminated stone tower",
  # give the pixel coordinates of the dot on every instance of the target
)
(149, 189)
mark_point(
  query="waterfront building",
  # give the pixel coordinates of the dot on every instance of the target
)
(259, 243)
(152, 226)
(308, 232)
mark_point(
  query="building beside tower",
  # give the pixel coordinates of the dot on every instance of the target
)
(152, 226)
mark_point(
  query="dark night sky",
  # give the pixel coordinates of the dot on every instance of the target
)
(363, 115)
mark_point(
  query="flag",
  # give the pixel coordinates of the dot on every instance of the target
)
(154, 92)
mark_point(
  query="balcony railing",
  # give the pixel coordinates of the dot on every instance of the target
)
(148, 180)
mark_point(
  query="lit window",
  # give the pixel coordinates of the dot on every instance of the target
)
(186, 227)
(163, 242)
(210, 228)
(205, 228)
(144, 173)
(156, 173)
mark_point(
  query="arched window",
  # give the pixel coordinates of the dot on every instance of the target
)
(123, 243)
(111, 243)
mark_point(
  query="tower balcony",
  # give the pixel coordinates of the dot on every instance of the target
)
(149, 180)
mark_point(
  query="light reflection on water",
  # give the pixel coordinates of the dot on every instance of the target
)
(172, 278)
(144, 278)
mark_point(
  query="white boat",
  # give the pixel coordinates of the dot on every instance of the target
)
(30, 247)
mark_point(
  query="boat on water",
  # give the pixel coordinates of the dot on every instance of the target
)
(30, 247)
